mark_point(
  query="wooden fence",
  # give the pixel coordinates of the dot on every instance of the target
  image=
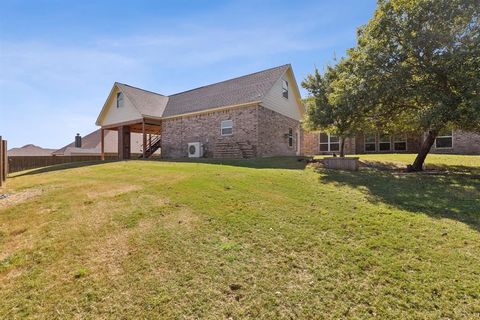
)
(3, 161)
(20, 163)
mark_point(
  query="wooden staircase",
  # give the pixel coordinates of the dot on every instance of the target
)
(234, 150)
(152, 146)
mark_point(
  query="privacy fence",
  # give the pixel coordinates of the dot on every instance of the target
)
(20, 163)
(3, 161)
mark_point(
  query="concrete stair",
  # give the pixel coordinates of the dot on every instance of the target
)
(234, 150)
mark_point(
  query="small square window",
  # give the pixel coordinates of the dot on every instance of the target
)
(444, 140)
(226, 127)
(285, 89)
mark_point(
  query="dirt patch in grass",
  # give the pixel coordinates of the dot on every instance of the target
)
(113, 191)
(19, 197)
(183, 220)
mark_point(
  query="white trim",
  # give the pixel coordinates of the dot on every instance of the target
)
(233, 106)
(400, 141)
(385, 142)
(328, 143)
(297, 140)
(290, 136)
(365, 143)
(222, 127)
(444, 148)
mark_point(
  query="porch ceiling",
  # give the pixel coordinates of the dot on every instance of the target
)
(152, 126)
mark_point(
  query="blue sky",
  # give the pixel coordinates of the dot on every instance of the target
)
(59, 59)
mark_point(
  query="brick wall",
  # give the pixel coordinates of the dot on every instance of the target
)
(257, 132)
(310, 143)
(205, 128)
(273, 129)
(463, 143)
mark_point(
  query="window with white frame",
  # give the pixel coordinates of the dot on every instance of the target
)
(119, 99)
(285, 89)
(370, 142)
(400, 143)
(384, 143)
(444, 140)
(290, 137)
(226, 127)
(329, 143)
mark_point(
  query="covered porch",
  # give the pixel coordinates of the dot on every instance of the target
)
(151, 137)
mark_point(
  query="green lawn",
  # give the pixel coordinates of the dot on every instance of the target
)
(260, 239)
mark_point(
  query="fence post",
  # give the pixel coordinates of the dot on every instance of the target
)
(1, 161)
(5, 160)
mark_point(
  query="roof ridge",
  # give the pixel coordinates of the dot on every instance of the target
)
(236, 78)
(133, 87)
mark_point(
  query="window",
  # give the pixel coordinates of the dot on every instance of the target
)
(384, 142)
(444, 140)
(226, 127)
(370, 143)
(119, 99)
(329, 143)
(400, 143)
(285, 89)
(290, 137)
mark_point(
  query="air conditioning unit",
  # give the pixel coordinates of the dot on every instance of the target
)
(195, 150)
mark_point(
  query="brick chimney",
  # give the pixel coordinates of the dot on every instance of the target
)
(78, 141)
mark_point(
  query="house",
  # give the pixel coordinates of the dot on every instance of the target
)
(256, 115)
(30, 150)
(448, 141)
(90, 145)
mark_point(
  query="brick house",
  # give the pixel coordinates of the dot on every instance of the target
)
(257, 115)
(448, 141)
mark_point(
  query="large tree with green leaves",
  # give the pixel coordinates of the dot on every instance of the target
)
(418, 62)
(332, 105)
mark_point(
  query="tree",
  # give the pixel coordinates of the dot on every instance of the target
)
(419, 65)
(331, 106)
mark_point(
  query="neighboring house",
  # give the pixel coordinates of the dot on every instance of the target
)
(257, 115)
(90, 145)
(29, 150)
(448, 141)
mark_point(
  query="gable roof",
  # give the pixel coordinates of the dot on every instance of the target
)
(148, 103)
(241, 90)
(246, 89)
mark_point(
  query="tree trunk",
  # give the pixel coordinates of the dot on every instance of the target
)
(424, 150)
(342, 147)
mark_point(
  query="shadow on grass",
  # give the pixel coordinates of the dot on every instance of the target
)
(293, 163)
(399, 166)
(440, 195)
(58, 167)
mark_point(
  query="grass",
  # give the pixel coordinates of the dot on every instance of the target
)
(263, 239)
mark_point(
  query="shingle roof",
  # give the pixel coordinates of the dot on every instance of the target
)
(30, 150)
(91, 144)
(147, 102)
(245, 89)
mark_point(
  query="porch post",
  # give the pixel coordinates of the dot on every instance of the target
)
(102, 139)
(144, 139)
(1, 162)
